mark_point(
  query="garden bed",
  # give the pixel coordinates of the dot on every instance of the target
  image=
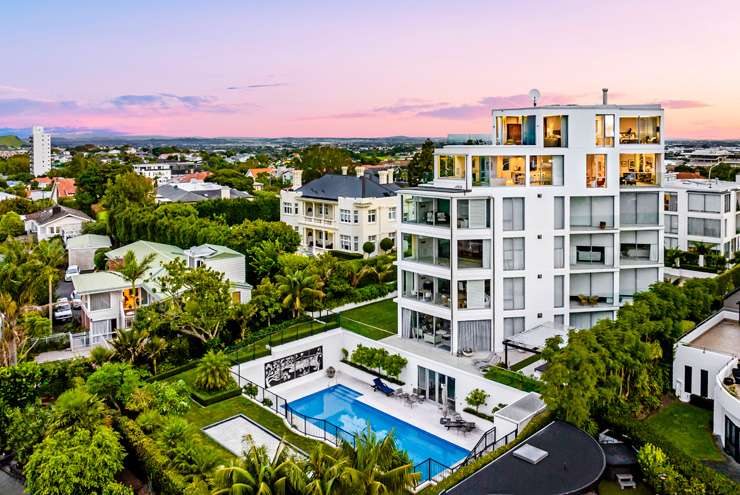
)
(369, 371)
(513, 379)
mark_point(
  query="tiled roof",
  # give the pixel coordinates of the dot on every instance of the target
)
(54, 213)
(332, 187)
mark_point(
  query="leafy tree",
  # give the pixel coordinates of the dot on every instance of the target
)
(265, 302)
(318, 160)
(265, 257)
(92, 181)
(232, 178)
(114, 382)
(386, 244)
(11, 225)
(213, 372)
(199, 301)
(476, 398)
(75, 461)
(26, 428)
(127, 189)
(368, 247)
(394, 365)
(421, 166)
(297, 289)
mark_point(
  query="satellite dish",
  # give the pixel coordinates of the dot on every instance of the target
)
(534, 94)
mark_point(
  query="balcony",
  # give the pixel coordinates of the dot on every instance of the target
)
(317, 220)
(591, 213)
(638, 254)
(426, 250)
(589, 252)
(426, 328)
(426, 211)
(426, 289)
(590, 291)
(591, 302)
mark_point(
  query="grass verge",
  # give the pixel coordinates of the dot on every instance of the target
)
(689, 428)
(374, 321)
(513, 379)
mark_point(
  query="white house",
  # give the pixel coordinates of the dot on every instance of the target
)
(702, 210)
(159, 172)
(81, 249)
(108, 302)
(565, 208)
(56, 221)
(705, 364)
(341, 212)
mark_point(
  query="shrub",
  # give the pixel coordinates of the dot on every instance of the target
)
(213, 372)
(394, 364)
(99, 259)
(386, 244)
(478, 413)
(368, 247)
(661, 475)
(476, 398)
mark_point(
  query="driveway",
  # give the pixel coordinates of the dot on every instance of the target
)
(63, 289)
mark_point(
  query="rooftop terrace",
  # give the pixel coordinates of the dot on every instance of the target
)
(722, 337)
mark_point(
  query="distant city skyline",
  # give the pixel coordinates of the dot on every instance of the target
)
(350, 69)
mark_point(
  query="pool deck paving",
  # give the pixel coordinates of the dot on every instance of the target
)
(232, 435)
(424, 416)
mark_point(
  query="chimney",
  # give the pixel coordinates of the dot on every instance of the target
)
(360, 171)
(382, 177)
(225, 192)
(604, 98)
(297, 175)
(737, 178)
(344, 170)
(390, 175)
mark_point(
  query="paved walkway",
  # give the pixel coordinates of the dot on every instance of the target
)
(9, 485)
(63, 355)
(237, 434)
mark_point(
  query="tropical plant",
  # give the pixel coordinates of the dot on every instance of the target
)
(257, 473)
(77, 408)
(114, 383)
(297, 290)
(323, 469)
(129, 346)
(213, 372)
(133, 270)
(476, 398)
(50, 256)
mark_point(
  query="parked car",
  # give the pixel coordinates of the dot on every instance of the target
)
(72, 270)
(75, 300)
(62, 310)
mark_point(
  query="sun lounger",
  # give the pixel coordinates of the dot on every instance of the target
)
(379, 386)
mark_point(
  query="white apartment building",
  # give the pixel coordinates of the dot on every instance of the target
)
(159, 172)
(702, 210)
(40, 151)
(341, 212)
(559, 220)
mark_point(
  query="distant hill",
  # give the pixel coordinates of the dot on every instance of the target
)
(10, 142)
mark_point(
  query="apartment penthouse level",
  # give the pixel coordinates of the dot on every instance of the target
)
(558, 221)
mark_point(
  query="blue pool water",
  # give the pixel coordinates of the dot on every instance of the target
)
(338, 405)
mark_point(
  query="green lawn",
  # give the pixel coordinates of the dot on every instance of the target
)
(689, 428)
(513, 379)
(375, 321)
(189, 378)
(612, 488)
(204, 416)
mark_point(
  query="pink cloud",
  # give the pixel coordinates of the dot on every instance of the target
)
(682, 104)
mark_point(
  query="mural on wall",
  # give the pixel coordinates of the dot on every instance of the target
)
(294, 366)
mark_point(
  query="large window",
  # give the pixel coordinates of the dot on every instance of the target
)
(592, 212)
(707, 203)
(636, 280)
(670, 201)
(556, 131)
(639, 208)
(592, 249)
(513, 213)
(589, 289)
(638, 169)
(473, 213)
(704, 227)
(514, 293)
(422, 249)
(513, 326)
(671, 224)
(514, 253)
(595, 170)
(426, 328)
(546, 170)
(99, 301)
(559, 252)
(559, 212)
(639, 130)
(516, 130)
(589, 319)
(510, 171)
(605, 130)
(345, 216)
(474, 253)
(427, 211)
(639, 246)
(474, 294)
(559, 288)
(670, 242)
(425, 288)
(452, 166)
(482, 166)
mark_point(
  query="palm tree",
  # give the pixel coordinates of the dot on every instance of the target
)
(154, 348)
(357, 273)
(130, 345)
(256, 473)
(213, 371)
(132, 270)
(323, 470)
(11, 332)
(373, 467)
(297, 287)
(50, 256)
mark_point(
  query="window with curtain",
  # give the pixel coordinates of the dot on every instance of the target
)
(513, 211)
(559, 242)
(559, 300)
(513, 326)
(473, 213)
(474, 294)
(595, 170)
(705, 227)
(639, 208)
(514, 253)
(559, 209)
(514, 293)
(546, 170)
(708, 203)
(474, 253)
(475, 335)
(100, 301)
(670, 201)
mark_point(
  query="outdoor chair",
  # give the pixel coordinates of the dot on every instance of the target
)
(379, 386)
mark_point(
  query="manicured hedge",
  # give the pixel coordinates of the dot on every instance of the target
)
(207, 400)
(640, 433)
(513, 379)
(535, 425)
(174, 371)
(480, 414)
(366, 293)
(165, 481)
(373, 372)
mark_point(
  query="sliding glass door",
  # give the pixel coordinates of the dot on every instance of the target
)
(437, 387)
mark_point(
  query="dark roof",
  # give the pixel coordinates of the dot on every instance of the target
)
(332, 187)
(619, 454)
(54, 213)
(574, 463)
(177, 195)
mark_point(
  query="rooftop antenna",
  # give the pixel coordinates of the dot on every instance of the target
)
(534, 94)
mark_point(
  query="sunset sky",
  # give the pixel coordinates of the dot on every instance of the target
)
(350, 68)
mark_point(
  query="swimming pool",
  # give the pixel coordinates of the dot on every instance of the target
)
(339, 405)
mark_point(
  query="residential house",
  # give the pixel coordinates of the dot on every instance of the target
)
(341, 212)
(56, 221)
(81, 249)
(192, 192)
(108, 302)
(705, 365)
(565, 208)
(160, 172)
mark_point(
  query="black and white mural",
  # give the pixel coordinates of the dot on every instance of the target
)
(294, 366)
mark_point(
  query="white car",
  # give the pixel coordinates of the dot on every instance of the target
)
(62, 310)
(72, 270)
(75, 300)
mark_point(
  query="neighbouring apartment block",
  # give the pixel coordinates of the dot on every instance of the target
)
(559, 220)
(40, 157)
(341, 212)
